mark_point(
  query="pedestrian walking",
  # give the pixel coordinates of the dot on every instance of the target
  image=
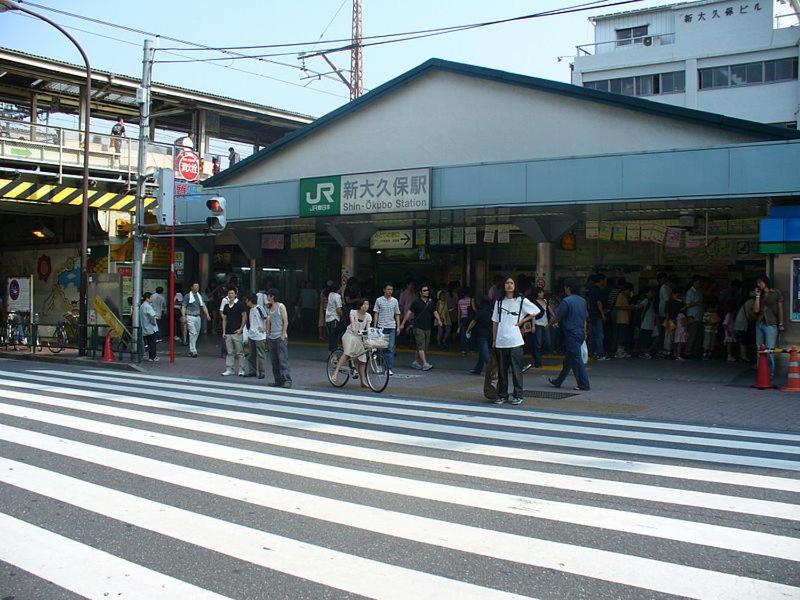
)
(465, 308)
(353, 344)
(509, 316)
(278, 339)
(117, 133)
(443, 308)
(695, 309)
(480, 329)
(387, 319)
(193, 306)
(333, 314)
(180, 322)
(572, 316)
(541, 327)
(234, 320)
(257, 337)
(160, 307)
(597, 299)
(769, 317)
(422, 315)
(149, 325)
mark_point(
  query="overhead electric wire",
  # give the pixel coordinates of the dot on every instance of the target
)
(324, 31)
(411, 37)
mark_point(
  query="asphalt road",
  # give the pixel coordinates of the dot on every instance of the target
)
(127, 485)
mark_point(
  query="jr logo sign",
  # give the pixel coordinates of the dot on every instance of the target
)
(320, 196)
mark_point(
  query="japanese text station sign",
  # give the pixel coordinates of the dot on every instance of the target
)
(394, 238)
(366, 193)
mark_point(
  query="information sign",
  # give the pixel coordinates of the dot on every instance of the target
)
(394, 238)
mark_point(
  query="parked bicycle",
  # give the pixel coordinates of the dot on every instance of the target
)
(61, 337)
(376, 371)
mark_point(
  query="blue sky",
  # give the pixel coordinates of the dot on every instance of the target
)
(529, 47)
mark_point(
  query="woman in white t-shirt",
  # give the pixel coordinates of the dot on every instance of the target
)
(510, 314)
(352, 345)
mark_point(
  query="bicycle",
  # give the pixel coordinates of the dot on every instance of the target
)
(376, 370)
(60, 336)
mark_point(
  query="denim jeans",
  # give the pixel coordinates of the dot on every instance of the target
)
(463, 342)
(767, 335)
(389, 352)
(573, 362)
(596, 338)
(484, 354)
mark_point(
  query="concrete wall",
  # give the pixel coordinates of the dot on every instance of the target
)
(450, 119)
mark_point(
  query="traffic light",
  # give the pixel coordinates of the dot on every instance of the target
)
(165, 179)
(216, 205)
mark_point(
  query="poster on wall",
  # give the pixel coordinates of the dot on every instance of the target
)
(488, 234)
(434, 237)
(634, 233)
(658, 233)
(126, 270)
(673, 238)
(795, 291)
(592, 230)
(606, 231)
(19, 294)
(503, 234)
(618, 232)
(303, 240)
(420, 237)
(458, 236)
(470, 235)
(445, 236)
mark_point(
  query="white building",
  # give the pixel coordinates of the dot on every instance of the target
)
(737, 58)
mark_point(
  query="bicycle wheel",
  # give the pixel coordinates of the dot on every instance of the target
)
(344, 372)
(57, 345)
(377, 372)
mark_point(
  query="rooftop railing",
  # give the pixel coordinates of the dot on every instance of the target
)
(643, 41)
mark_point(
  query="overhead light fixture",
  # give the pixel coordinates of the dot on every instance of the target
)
(37, 82)
(43, 233)
(245, 268)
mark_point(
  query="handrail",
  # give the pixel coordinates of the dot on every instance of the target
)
(658, 39)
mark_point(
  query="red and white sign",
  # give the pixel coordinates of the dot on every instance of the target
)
(187, 165)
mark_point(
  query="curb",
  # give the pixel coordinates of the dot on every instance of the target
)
(68, 360)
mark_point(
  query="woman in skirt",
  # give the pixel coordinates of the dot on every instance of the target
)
(352, 345)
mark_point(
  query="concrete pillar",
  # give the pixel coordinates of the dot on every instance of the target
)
(201, 143)
(254, 273)
(348, 264)
(34, 115)
(692, 83)
(544, 265)
(204, 269)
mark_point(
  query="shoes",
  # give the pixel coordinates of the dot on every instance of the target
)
(474, 372)
(731, 359)
(646, 356)
(391, 373)
(287, 385)
(249, 375)
(261, 376)
(602, 358)
(416, 365)
(228, 372)
(427, 367)
(578, 388)
(526, 368)
(680, 359)
(151, 360)
(241, 373)
(516, 401)
(193, 354)
(178, 339)
(499, 400)
(553, 383)
(156, 359)
(622, 354)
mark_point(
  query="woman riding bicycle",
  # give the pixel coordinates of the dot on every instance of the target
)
(352, 344)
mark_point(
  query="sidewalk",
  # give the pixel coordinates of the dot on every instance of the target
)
(709, 392)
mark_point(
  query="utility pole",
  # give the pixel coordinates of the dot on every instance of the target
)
(356, 55)
(143, 97)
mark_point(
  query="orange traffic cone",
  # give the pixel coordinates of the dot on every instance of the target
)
(763, 378)
(793, 383)
(108, 353)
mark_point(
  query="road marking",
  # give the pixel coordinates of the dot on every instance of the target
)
(493, 434)
(472, 408)
(577, 460)
(367, 577)
(393, 523)
(666, 495)
(85, 570)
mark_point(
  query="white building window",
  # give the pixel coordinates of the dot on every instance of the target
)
(642, 85)
(631, 35)
(782, 69)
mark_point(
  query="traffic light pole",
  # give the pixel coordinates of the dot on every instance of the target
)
(144, 141)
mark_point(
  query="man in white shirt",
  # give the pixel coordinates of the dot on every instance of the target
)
(257, 332)
(193, 305)
(159, 307)
(510, 313)
(387, 318)
(333, 314)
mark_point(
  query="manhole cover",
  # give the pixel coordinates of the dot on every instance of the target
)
(548, 395)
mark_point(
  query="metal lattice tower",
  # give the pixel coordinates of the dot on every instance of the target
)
(356, 65)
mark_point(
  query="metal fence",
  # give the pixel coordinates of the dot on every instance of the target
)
(62, 147)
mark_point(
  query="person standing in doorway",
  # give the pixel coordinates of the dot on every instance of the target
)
(695, 309)
(769, 317)
(278, 339)
(424, 314)
(160, 307)
(572, 316)
(257, 333)
(234, 318)
(509, 316)
(193, 306)
(387, 317)
(149, 324)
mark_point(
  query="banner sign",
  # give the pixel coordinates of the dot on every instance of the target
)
(470, 236)
(366, 193)
(396, 238)
(303, 240)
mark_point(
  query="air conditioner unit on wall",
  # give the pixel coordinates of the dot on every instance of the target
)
(651, 40)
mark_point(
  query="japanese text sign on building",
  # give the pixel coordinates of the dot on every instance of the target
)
(365, 193)
(396, 238)
(721, 12)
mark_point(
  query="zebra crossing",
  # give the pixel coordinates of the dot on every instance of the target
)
(176, 488)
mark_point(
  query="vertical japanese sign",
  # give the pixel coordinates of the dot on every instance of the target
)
(470, 236)
(503, 234)
(365, 193)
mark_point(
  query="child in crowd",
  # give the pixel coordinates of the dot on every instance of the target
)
(681, 335)
(710, 328)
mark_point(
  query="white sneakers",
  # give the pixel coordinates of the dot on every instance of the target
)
(228, 372)
(241, 373)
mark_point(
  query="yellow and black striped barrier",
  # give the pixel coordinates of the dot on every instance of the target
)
(65, 194)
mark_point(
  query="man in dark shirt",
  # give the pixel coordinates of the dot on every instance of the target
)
(571, 317)
(481, 328)
(234, 319)
(596, 297)
(423, 311)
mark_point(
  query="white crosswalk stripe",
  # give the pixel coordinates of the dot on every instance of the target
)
(625, 505)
